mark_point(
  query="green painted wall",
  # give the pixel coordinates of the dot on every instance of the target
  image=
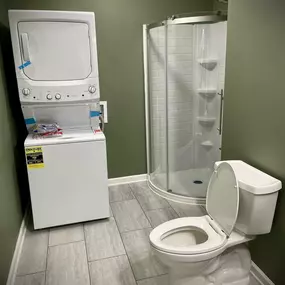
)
(219, 6)
(119, 32)
(10, 206)
(254, 117)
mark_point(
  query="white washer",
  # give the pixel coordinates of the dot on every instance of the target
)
(67, 178)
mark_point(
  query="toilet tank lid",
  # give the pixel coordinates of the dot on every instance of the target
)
(252, 179)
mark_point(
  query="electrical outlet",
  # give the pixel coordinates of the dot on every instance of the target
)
(104, 110)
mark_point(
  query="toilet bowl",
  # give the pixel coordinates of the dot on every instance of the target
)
(211, 249)
(191, 248)
(192, 239)
(198, 253)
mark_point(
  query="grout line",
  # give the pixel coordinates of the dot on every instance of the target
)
(66, 242)
(174, 211)
(144, 211)
(129, 186)
(156, 208)
(131, 189)
(21, 275)
(47, 256)
(153, 210)
(86, 251)
(61, 244)
(145, 215)
(48, 237)
(151, 227)
(125, 249)
(141, 186)
(122, 201)
(153, 277)
(133, 198)
(125, 232)
(46, 265)
(91, 261)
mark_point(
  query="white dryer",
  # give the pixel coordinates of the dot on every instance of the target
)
(55, 54)
(68, 178)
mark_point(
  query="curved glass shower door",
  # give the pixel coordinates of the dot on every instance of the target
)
(185, 82)
(157, 111)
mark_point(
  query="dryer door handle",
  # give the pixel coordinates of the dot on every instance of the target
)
(25, 46)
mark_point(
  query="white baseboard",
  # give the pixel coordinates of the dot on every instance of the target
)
(259, 275)
(127, 179)
(18, 249)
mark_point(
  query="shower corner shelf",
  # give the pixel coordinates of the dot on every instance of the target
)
(207, 145)
(206, 121)
(208, 63)
(208, 94)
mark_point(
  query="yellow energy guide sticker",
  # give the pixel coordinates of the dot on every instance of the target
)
(34, 157)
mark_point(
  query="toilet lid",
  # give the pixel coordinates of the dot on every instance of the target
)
(222, 201)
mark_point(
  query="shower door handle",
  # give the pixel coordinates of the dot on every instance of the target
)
(221, 111)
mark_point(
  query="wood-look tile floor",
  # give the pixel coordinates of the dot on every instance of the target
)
(111, 251)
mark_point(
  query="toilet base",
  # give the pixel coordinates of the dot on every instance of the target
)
(232, 267)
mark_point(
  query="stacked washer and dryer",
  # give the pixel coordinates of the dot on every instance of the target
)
(56, 64)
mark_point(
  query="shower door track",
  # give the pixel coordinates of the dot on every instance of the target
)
(190, 18)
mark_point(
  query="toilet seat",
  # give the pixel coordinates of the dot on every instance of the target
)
(215, 238)
(198, 235)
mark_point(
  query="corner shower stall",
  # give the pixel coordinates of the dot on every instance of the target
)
(184, 68)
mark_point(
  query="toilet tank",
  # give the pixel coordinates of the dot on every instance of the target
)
(257, 198)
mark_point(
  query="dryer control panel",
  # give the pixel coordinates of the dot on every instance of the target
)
(51, 94)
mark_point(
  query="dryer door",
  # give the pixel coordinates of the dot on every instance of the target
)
(56, 50)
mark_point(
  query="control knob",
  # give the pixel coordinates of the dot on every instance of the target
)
(49, 97)
(92, 89)
(26, 91)
(57, 96)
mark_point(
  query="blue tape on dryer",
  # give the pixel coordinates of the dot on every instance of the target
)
(94, 114)
(25, 64)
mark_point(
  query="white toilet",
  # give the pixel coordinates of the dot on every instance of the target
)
(211, 249)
